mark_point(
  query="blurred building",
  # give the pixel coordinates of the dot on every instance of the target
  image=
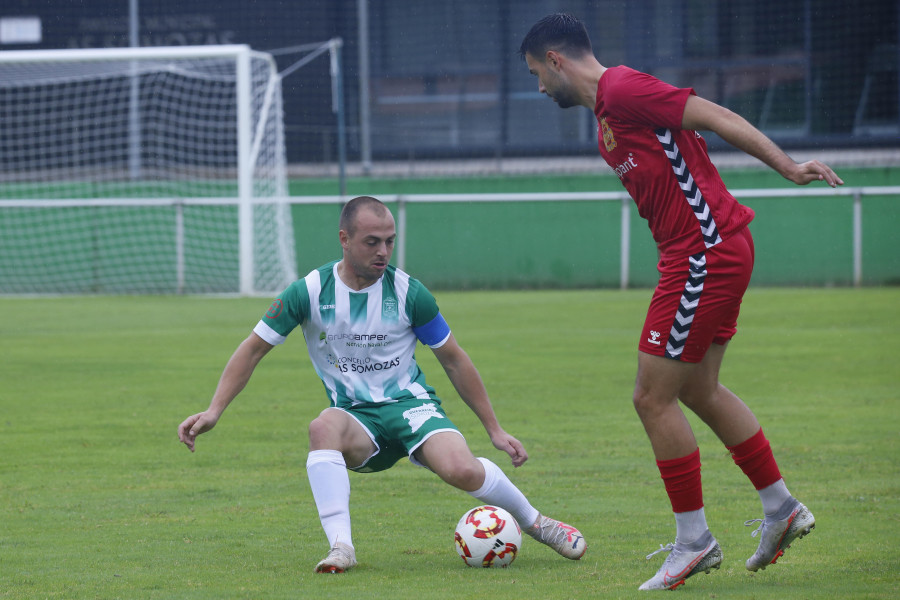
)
(443, 78)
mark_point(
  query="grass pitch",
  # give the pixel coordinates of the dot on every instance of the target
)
(99, 500)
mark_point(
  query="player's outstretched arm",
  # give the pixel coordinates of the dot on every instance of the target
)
(702, 115)
(234, 378)
(468, 383)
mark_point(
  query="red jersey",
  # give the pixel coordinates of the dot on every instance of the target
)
(666, 169)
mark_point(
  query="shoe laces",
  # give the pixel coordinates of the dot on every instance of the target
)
(751, 522)
(550, 531)
(667, 548)
(341, 551)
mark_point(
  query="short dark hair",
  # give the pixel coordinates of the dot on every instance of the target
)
(348, 213)
(561, 32)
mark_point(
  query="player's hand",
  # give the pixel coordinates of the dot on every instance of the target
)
(193, 426)
(512, 446)
(814, 170)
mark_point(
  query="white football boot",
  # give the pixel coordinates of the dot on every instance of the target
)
(341, 558)
(683, 562)
(792, 521)
(563, 538)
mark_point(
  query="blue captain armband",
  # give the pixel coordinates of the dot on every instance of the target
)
(434, 333)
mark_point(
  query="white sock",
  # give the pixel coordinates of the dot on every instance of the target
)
(774, 496)
(690, 526)
(497, 489)
(330, 485)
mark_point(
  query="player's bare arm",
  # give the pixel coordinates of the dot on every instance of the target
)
(702, 115)
(468, 384)
(234, 378)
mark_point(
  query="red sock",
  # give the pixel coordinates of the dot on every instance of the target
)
(682, 479)
(756, 460)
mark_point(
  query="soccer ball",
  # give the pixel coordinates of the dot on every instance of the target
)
(488, 536)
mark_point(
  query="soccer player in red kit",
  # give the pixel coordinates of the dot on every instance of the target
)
(647, 133)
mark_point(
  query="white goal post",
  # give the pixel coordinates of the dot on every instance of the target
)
(143, 170)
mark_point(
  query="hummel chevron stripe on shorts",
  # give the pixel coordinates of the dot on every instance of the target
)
(687, 307)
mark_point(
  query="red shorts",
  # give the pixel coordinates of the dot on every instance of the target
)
(697, 300)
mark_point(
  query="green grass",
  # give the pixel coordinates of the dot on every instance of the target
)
(99, 500)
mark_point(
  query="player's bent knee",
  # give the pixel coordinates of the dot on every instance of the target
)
(641, 402)
(647, 405)
(325, 429)
(465, 475)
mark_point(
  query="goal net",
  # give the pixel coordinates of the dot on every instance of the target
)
(143, 170)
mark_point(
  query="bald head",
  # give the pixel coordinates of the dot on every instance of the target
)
(351, 210)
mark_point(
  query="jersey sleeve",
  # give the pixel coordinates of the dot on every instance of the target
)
(288, 310)
(425, 317)
(644, 100)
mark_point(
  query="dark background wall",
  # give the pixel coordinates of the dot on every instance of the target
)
(446, 81)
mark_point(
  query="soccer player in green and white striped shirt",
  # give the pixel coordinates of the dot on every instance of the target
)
(361, 319)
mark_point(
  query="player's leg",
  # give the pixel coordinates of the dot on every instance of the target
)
(656, 402)
(678, 329)
(785, 518)
(736, 426)
(733, 422)
(448, 456)
(726, 414)
(695, 304)
(335, 429)
(674, 446)
(335, 440)
(678, 460)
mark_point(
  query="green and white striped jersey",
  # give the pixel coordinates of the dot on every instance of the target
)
(361, 343)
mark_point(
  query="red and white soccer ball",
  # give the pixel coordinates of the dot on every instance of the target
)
(488, 536)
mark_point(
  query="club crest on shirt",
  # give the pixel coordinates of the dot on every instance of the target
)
(389, 307)
(608, 139)
(275, 309)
